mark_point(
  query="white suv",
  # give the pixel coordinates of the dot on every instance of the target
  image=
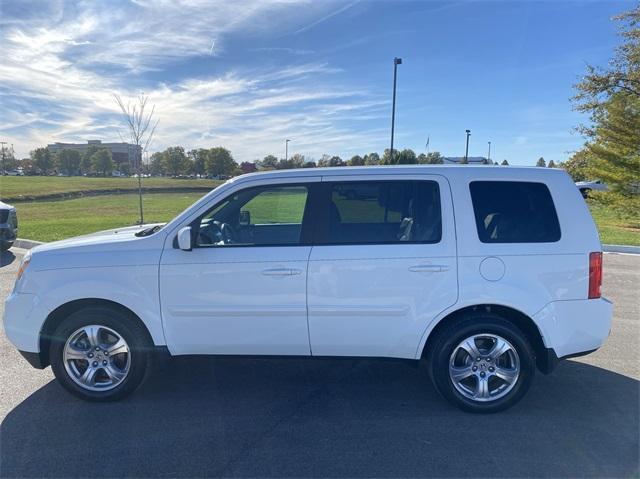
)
(485, 273)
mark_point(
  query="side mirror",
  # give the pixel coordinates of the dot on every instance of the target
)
(184, 238)
(245, 218)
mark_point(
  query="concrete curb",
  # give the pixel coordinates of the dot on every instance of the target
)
(26, 243)
(607, 248)
(618, 248)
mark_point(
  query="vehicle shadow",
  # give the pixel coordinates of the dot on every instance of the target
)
(333, 418)
(6, 258)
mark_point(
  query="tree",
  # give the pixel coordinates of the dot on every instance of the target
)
(102, 162)
(504, 163)
(622, 75)
(198, 157)
(309, 164)
(43, 160)
(69, 161)
(541, 162)
(296, 160)
(386, 157)
(219, 162)
(175, 160)
(576, 166)
(551, 164)
(140, 129)
(269, 162)
(356, 160)
(611, 98)
(336, 161)
(372, 159)
(613, 155)
(431, 158)
(405, 157)
(324, 160)
(158, 166)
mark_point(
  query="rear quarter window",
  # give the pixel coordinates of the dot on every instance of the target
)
(514, 212)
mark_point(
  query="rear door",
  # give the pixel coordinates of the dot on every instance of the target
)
(383, 264)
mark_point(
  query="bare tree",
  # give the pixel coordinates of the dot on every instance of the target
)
(138, 119)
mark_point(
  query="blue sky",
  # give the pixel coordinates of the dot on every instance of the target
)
(249, 74)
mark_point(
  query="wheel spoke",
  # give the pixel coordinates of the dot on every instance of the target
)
(470, 347)
(114, 373)
(507, 375)
(93, 333)
(88, 377)
(483, 389)
(460, 373)
(499, 348)
(119, 347)
(73, 353)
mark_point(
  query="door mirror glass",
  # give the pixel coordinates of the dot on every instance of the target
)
(184, 238)
(245, 218)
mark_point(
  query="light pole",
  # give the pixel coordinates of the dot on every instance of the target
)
(466, 151)
(396, 61)
(286, 150)
(489, 154)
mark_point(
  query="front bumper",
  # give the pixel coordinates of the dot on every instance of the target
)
(24, 316)
(575, 327)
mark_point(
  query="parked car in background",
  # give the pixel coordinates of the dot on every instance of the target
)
(355, 262)
(586, 187)
(8, 226)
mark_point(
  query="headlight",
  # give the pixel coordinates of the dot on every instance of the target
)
(23, 265)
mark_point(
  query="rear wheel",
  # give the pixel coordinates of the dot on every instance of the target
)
(482, 364)
(100, 354)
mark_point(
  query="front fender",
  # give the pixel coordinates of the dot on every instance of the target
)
(134, 287)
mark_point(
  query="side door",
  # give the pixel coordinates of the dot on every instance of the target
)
(384, 265)
(242, 288)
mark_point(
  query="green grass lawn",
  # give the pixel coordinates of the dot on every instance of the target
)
(34, 186)
(55, 220)
(614, 230)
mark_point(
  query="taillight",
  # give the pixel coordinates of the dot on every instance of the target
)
(595, 274)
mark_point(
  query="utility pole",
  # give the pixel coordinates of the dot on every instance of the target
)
(286, 150)
(489, 154)
(396, 61)
(466, 151)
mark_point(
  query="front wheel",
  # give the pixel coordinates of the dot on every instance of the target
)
(482, 364)
(100, 354)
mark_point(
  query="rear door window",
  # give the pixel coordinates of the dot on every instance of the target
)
(514, 212)
(383, 212)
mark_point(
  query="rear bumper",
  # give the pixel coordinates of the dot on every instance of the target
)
(575, 328)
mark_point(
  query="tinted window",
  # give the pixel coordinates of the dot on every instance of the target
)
(514, 212)
(262, 216)
(384, 212)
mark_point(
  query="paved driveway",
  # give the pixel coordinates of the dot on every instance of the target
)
(330, 418)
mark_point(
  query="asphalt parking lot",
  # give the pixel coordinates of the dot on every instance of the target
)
(329, 418)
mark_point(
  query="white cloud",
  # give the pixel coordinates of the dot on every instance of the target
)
(60, 72)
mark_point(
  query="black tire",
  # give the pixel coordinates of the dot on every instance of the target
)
(481, 323)
(128, 327)
(5, 245)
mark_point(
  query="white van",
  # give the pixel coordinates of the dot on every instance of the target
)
(486, 274)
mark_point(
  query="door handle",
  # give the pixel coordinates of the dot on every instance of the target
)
(295, 271)
(278, 272)
(429, 268)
